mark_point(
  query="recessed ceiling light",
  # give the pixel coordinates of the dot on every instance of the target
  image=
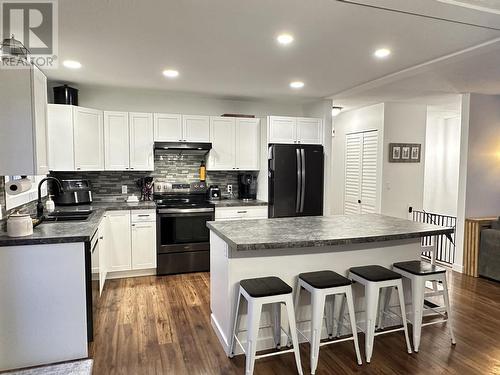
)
(285, 39)
(382, 52)
(170, 73)
(296, 84)
(72, 64)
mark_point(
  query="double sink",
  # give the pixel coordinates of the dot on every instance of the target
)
(59, 216)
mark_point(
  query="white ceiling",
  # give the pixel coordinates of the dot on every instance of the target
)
(227, 47)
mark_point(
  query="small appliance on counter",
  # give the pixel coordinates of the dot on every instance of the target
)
(74, 192)
(19, 225)
(213, 192)
(145, 185)
(247, 186)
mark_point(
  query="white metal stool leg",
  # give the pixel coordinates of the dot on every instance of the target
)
(371, 317)
(403, 314)
(276, 312)
(293, 332)
(352, 318)
(329, 309)
(446, 298)
(237, 319)
(318, 308)
(341, 315)
(381, 306)
(417, 294)
(253, 324)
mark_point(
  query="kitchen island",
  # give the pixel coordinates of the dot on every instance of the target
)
(287, 247)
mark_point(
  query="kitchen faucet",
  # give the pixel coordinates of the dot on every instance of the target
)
(39, 205)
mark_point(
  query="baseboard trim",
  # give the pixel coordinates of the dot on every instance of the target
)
(132, 273)
(458, 268)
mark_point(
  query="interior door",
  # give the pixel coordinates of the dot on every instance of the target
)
(88, 135)
(141, 141)
(116, 141)
(312, 183)
(352, 183)
(284, 171)
(369, 174)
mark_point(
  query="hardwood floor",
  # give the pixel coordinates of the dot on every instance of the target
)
(161, 325)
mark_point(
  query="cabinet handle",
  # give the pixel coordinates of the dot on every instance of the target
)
(143, 215)
(180, 140)
(101, 238)
(133, 225)
(359, 200)
(78, 168)
(131, 168)
(241, 212)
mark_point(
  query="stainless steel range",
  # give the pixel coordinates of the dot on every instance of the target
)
(183, 240)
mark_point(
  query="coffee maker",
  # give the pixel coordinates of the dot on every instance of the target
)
(247, 186)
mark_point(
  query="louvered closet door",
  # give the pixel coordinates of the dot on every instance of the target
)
(369, 172)
(353, 153)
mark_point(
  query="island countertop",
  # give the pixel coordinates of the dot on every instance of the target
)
(317, 231)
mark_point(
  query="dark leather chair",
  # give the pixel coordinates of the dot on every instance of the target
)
(489, 252)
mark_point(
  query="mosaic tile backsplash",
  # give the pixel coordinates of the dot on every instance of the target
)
(168, 168)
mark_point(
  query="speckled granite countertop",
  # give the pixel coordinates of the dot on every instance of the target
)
(237, 203)
(317, 231)
(76, 231)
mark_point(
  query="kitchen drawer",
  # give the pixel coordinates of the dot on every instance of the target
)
(139, 216)
(241, 213)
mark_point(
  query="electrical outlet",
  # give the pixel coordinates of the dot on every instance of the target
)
(124, 189)
(229, 188)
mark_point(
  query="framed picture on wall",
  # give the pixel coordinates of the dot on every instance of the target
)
(404, 152)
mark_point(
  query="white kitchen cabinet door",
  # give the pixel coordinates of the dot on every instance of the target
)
(102, 254)
(141, 141)
(143, 245)
(282, 130)
(88, 135)
(309, 131)
(118, 243)
(195, 128)
(116, 141)
(60, 137)
(40, 118)
(247, 144)
(222, 156)
(167, 127)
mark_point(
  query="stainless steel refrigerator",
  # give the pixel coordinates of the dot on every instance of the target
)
(295, 180)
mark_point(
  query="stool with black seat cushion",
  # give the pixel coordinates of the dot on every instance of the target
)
(418, 272)
(258, 292)
(375, 278)
(323, 284)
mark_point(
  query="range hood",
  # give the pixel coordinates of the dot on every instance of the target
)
(186, 148)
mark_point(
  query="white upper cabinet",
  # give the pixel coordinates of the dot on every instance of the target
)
(88, 139)
(235, 144)
(247, 144)
(295, 130)
(141, 141)
(282, 129)
(168, 127)
(309, 130)
(60, 136)
(195, 128)
(116, 141)
(222, 135)
(23, 119)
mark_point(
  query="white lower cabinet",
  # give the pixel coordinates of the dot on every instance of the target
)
(240, 213)
(119, 246)
(101, 254)
(143, 245)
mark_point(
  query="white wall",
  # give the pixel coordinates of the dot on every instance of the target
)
(442, 161)
(479, 179)
(403, 183)
(358, 120)
(146, 100)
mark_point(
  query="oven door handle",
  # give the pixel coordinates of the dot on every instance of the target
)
(184, 210)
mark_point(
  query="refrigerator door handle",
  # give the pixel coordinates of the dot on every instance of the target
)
(303, 178)
(299, 179)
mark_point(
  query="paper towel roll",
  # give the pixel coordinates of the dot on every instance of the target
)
(18, 186)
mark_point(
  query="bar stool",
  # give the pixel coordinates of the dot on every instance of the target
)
(418, 273)
(259, 292)
(322, 284)
(374, 278)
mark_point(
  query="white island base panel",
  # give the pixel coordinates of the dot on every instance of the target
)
(42, 304)
(225, 274)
